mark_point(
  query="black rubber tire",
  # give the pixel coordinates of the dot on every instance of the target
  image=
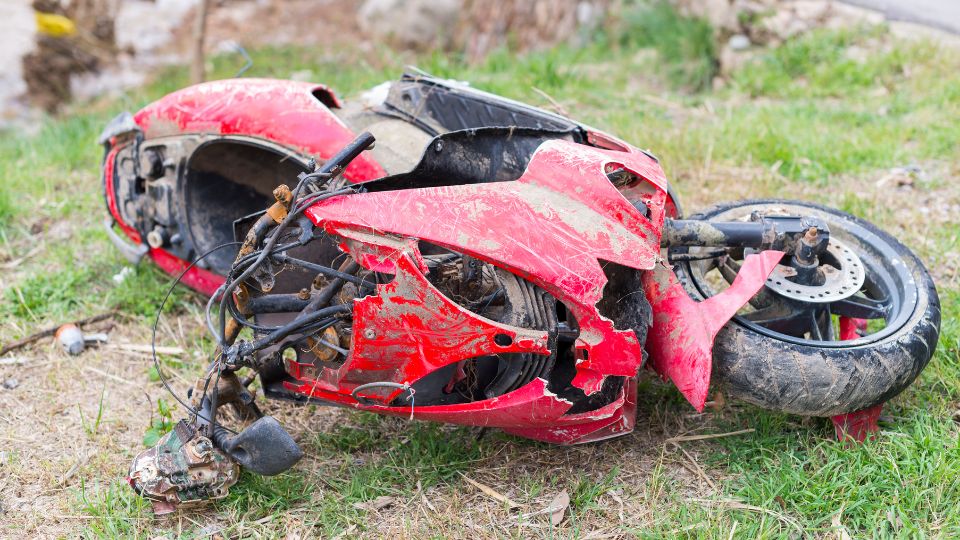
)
(820, 381)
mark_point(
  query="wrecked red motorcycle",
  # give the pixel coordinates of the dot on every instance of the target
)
(446, 254)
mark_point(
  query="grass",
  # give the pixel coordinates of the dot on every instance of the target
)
(823, 116)
(685, 45)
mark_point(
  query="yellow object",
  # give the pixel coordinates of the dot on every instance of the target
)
(55, 25)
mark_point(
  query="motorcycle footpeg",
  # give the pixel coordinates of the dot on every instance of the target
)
(264, 447)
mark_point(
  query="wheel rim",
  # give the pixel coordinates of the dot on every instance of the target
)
(886, 299)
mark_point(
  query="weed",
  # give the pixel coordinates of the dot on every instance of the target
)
(6, 206)
(116, 511)
(92, 430)
(159, 425)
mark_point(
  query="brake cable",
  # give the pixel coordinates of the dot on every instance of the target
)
(156, 324)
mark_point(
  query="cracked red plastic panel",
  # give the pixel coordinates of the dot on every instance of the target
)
(552, 226)
(680, 341)
(410, 329)
(284, 112)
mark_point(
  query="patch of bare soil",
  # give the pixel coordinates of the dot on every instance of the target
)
(69, 420)
(321, 23)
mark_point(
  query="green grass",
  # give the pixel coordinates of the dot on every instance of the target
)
(685, 46)
(821, 108)
(369, 462)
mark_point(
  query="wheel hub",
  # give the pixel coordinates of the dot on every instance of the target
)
(843, 275)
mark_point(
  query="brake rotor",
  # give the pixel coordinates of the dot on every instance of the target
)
(841, 280)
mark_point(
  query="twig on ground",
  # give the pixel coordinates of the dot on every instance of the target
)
(490, 492)
(9, 265)
(108, 375)
(685, 438)
(133, 347)
(696, 466)
(81, 461)
(737, 505)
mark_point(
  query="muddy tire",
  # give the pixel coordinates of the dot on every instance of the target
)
(824, 378)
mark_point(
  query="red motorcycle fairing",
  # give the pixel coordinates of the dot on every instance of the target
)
(680, 342)
(290, 113)
(552, 226)
(293, 114)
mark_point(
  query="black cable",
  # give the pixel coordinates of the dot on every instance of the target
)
(156, 324)
(325, 270)
(297, 324)
(271, 242)
(240, 318)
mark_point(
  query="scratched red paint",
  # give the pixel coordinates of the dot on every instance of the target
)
(284, 112)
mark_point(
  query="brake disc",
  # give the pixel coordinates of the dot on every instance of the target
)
(840, 281)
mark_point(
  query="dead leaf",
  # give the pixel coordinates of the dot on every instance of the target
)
(379, 503)
(558, 506)
(719, 401)
(490, 492)
(842, 533)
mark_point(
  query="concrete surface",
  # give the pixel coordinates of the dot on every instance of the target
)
(17, 30)
(940, 14)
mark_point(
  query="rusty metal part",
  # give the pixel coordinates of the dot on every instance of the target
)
(275, 214)
(319, 347)
(278, 210)
(184, 467)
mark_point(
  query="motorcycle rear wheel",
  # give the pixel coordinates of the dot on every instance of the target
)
(776, 363)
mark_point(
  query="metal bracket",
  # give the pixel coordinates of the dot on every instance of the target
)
(132, 252)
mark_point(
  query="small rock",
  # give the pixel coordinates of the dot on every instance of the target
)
(11, 383)
(412, 23)
(739, 42)
(122, 275)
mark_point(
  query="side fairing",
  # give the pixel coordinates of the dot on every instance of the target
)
(555, 226)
